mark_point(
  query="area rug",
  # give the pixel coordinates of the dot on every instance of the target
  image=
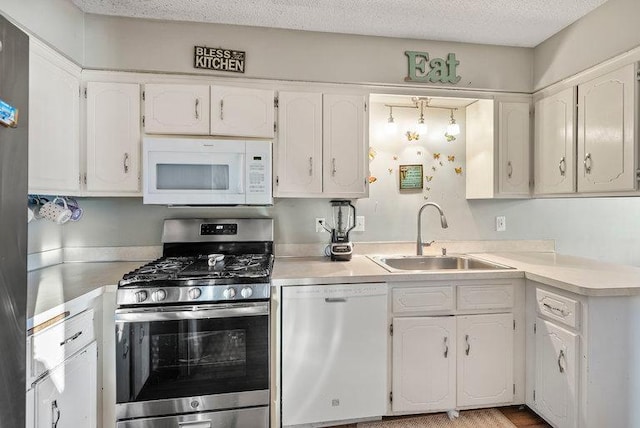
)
(483, 418)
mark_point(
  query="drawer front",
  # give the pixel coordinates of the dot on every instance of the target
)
(559, 308)
(423, 299)
(485, 296)
(53, 345)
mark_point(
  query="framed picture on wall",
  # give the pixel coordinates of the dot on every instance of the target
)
(411, 177)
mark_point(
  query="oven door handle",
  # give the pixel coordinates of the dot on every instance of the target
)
(192, 313)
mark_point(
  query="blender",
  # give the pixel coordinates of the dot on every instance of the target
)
(344, 220)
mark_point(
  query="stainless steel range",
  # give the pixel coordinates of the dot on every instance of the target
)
(192, 328)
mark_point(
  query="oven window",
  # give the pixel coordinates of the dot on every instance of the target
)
(192, 177)
(184, 358)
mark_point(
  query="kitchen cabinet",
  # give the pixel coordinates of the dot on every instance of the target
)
(555, 147)
(113, 138)
(176, 109)
(485, 359)
(556, 374)
(54, 130)
(321, 149)
(497, 150)
(298, 150)
(454, 346)
(606, 152)
(242, 112)
(66, 396)
(424, 364)
(334, 353)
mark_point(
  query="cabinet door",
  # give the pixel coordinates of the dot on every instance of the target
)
(555, 143)
(113, 137)
(54, 130)
(176, 109)
(242, 112)
(485, 359)
(298, 150)
(344, 146)
(513, 147)
(606, 143)
(66, 397)
(556, 387)
(424, 364)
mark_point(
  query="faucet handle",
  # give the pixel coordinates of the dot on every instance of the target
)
(444, 251)
(428, 244)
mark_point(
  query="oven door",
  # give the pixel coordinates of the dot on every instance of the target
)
(191, 358)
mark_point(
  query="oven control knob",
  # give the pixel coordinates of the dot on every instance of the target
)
(229, 293)
(194, 293)
(246, 292)
(159, 295)
(141, 296)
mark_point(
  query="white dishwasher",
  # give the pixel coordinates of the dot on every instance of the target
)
(334, 353)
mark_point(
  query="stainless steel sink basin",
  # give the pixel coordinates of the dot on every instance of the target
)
(434, 263)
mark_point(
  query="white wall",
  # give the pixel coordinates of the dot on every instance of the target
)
(58, 22)
(137, 44)
(604, 33)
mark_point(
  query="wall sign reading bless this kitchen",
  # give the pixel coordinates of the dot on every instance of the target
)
(218, 59)
(436, 70)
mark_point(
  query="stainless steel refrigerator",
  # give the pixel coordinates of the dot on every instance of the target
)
(14, 90)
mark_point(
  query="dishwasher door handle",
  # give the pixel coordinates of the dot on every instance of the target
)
(335, 300)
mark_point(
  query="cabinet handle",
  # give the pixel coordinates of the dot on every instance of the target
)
(587, 167)
(562, 166)
(509, 169)
(125, 163)
(71, 339)
(446, 346)
(466, 339)
(197, 105)
(310, 166)
(125, 354)
(554, 309)
(141, 339)
(333, 166)
(335, 300)
(560, 358)
(221, 109)
(55, 411)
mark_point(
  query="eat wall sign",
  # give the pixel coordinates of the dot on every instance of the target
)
(436, 70)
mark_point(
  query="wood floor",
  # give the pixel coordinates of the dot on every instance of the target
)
(520, 416)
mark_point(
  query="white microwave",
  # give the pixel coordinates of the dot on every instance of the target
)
(198, 171)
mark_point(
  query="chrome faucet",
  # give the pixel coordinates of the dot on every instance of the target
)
(443, 223)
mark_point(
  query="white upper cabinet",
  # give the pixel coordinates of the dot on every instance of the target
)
(176, 109)
(485, 359)
(344, 146)
(113, 137)
(54, 130)
(513, 148)
(298, 150)
(424, 364)
(497, 149)
(606, 140)
(242, 112)
(555, 153)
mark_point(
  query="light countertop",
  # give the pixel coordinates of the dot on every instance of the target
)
(54, 289)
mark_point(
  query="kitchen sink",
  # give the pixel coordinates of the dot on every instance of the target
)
(434, 263)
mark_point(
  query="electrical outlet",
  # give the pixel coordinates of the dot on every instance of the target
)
(359, 224)
(319, 223)
(501, 223)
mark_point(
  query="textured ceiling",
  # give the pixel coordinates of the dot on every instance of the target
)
(497, 22)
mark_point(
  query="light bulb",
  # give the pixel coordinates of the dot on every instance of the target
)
(421, 129)
(391, 125)
(453, 128)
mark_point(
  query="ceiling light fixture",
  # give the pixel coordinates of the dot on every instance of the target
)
(391, 126)
(453, 128)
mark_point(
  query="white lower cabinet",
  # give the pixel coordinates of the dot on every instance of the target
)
(485, 359)
(66, 397)
(424, 364)
(556, 374)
